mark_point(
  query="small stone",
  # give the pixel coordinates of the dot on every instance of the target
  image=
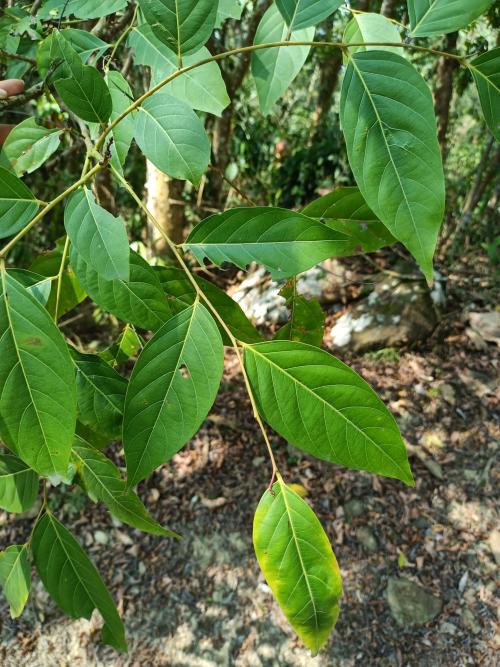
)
(494, 544)
(367, 539)
(448, 628)
(469, 621)
(101, 537)
(153, 496)
(448, 393)
(353, 508)
(410, 604)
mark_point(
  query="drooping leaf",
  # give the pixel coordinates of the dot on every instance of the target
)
(306, 13)
(275, 69)
(100, 394)
(29, 145)
(15, 577)
(172, 137)
(439, 17)
(387, 115)
(181, 294)
(126, 346)
(71, 292)
(298, 563)
(345, 210)
(72, 580)
(322, 406)
(37, 285)
(17, 204)
(18, 484)
(285, 242)
(96, 235)
(371, 27)
(140, 301)
(307, 319)
(38, 397)
(102, 481)
(486, 72)
(202, 88)
(173, 386)
(183, 25)
(87, 95)
(81, 9)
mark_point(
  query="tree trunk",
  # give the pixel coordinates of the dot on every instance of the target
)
(221, 147)
(329, 76)
(164, 200)
(444, 91)
(388, 7)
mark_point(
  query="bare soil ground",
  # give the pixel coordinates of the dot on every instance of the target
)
(203, 603)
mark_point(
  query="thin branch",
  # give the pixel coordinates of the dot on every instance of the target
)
(18, 100)
(17, 56)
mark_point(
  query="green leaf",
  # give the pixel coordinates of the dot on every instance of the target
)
(38, 398)
(202, 88)
(87, 95)
(183, 25)
(72, 580)
(37, 285)
(228, 9)
(85, 43)
(102, 481)
(82, 9)
(285, 242)
(71, 293)
(275, 69)
(82, 43)
(17, 204)
(307, 319)
(439, 17)
(345, 210)
(100, 394)
(126, 346)
(181, 294)
(298, 563)
(172, 137)
(306, 13)
(15, 577)
(90, 438)
(387, 115)
(140, 301)
(29, 145)
(323, 407)
(96, 235)
(173, 386)
(371, 28)
(18, 484)
(123, 133)
(486, 72)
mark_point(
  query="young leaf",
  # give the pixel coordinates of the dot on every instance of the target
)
(38, 397)
(389, 125)
(86, 95)
(171, 135)
(37, 285)
(307, 319)
(181, 294)
(298, 563)
(439, 17)
(102, 481)
(285, 242)
(100, 394)
(17, 204)
(486, 72)
(96, 235)
(322, 406)
(29, 145)
(183, 25)
(81, 9)
(202, 88)
(345, 210)
(371, 28)
(140, 301)
(126, 346)
(18, 484)
(15, 577)
(306, 13)
(173, 386)
(275, 69)
(72, 580)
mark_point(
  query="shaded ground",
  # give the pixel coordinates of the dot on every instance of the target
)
(203, 603)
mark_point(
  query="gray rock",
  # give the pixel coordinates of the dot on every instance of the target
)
(410, 604)
(367, 539)
(353, 508)
(397, 313)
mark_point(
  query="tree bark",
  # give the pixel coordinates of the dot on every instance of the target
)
(329, 76)
(164, 200)
(444, 91)
(388, 7)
